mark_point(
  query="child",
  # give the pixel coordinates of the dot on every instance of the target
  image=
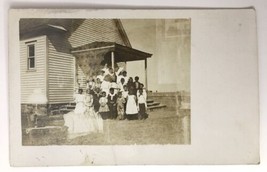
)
(144, 91)
(112, 101)
(103, 109)
(131, 106)
(125, 92)
(120, 106)
(142, 105)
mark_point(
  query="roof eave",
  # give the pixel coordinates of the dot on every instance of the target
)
(122, 32)
(125, 53)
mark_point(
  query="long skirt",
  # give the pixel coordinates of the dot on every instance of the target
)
(142, 111)
(131, 107)
(83, 123)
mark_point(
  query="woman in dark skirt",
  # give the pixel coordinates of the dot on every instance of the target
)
(112, 104)
(96, 96)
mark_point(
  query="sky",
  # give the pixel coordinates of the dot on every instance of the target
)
(142, 35)
(169, 66)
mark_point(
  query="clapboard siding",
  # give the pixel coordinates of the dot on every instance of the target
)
(61, 70)
(56, 72)
(32, 80)
(95, 30)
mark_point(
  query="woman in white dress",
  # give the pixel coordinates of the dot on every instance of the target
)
(82, 120)
(131, 106)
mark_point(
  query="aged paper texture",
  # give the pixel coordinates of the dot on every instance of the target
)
(192, 97)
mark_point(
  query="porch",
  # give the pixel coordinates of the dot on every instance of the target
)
(92, 57)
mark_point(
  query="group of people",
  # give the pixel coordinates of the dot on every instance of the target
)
(117, 96)
(109, 95)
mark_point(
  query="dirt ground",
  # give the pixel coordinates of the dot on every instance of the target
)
(164, 126)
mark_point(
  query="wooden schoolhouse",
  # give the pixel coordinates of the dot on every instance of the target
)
(56, 54)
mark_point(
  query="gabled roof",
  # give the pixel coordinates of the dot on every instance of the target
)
(36, 24)
(29, 24)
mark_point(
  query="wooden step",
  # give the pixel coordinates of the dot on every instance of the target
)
(160, 106)
(64, 110)
(58, 122)
(152, 104)
(56, 117)
(69, 107)
(72, 103)
(55, 112)
(149, 101)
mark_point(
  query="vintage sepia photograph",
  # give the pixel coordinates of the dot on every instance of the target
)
(100, 81)
(133, 87)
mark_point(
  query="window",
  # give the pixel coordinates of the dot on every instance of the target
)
(31, 56)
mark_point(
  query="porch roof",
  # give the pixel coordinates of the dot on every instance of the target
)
(122, 53)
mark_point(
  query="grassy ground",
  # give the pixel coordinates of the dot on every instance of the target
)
(162, 127)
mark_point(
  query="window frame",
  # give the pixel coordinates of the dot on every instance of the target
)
(31, 57)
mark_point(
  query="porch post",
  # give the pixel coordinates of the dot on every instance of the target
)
(146, 74)
(112, 59)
